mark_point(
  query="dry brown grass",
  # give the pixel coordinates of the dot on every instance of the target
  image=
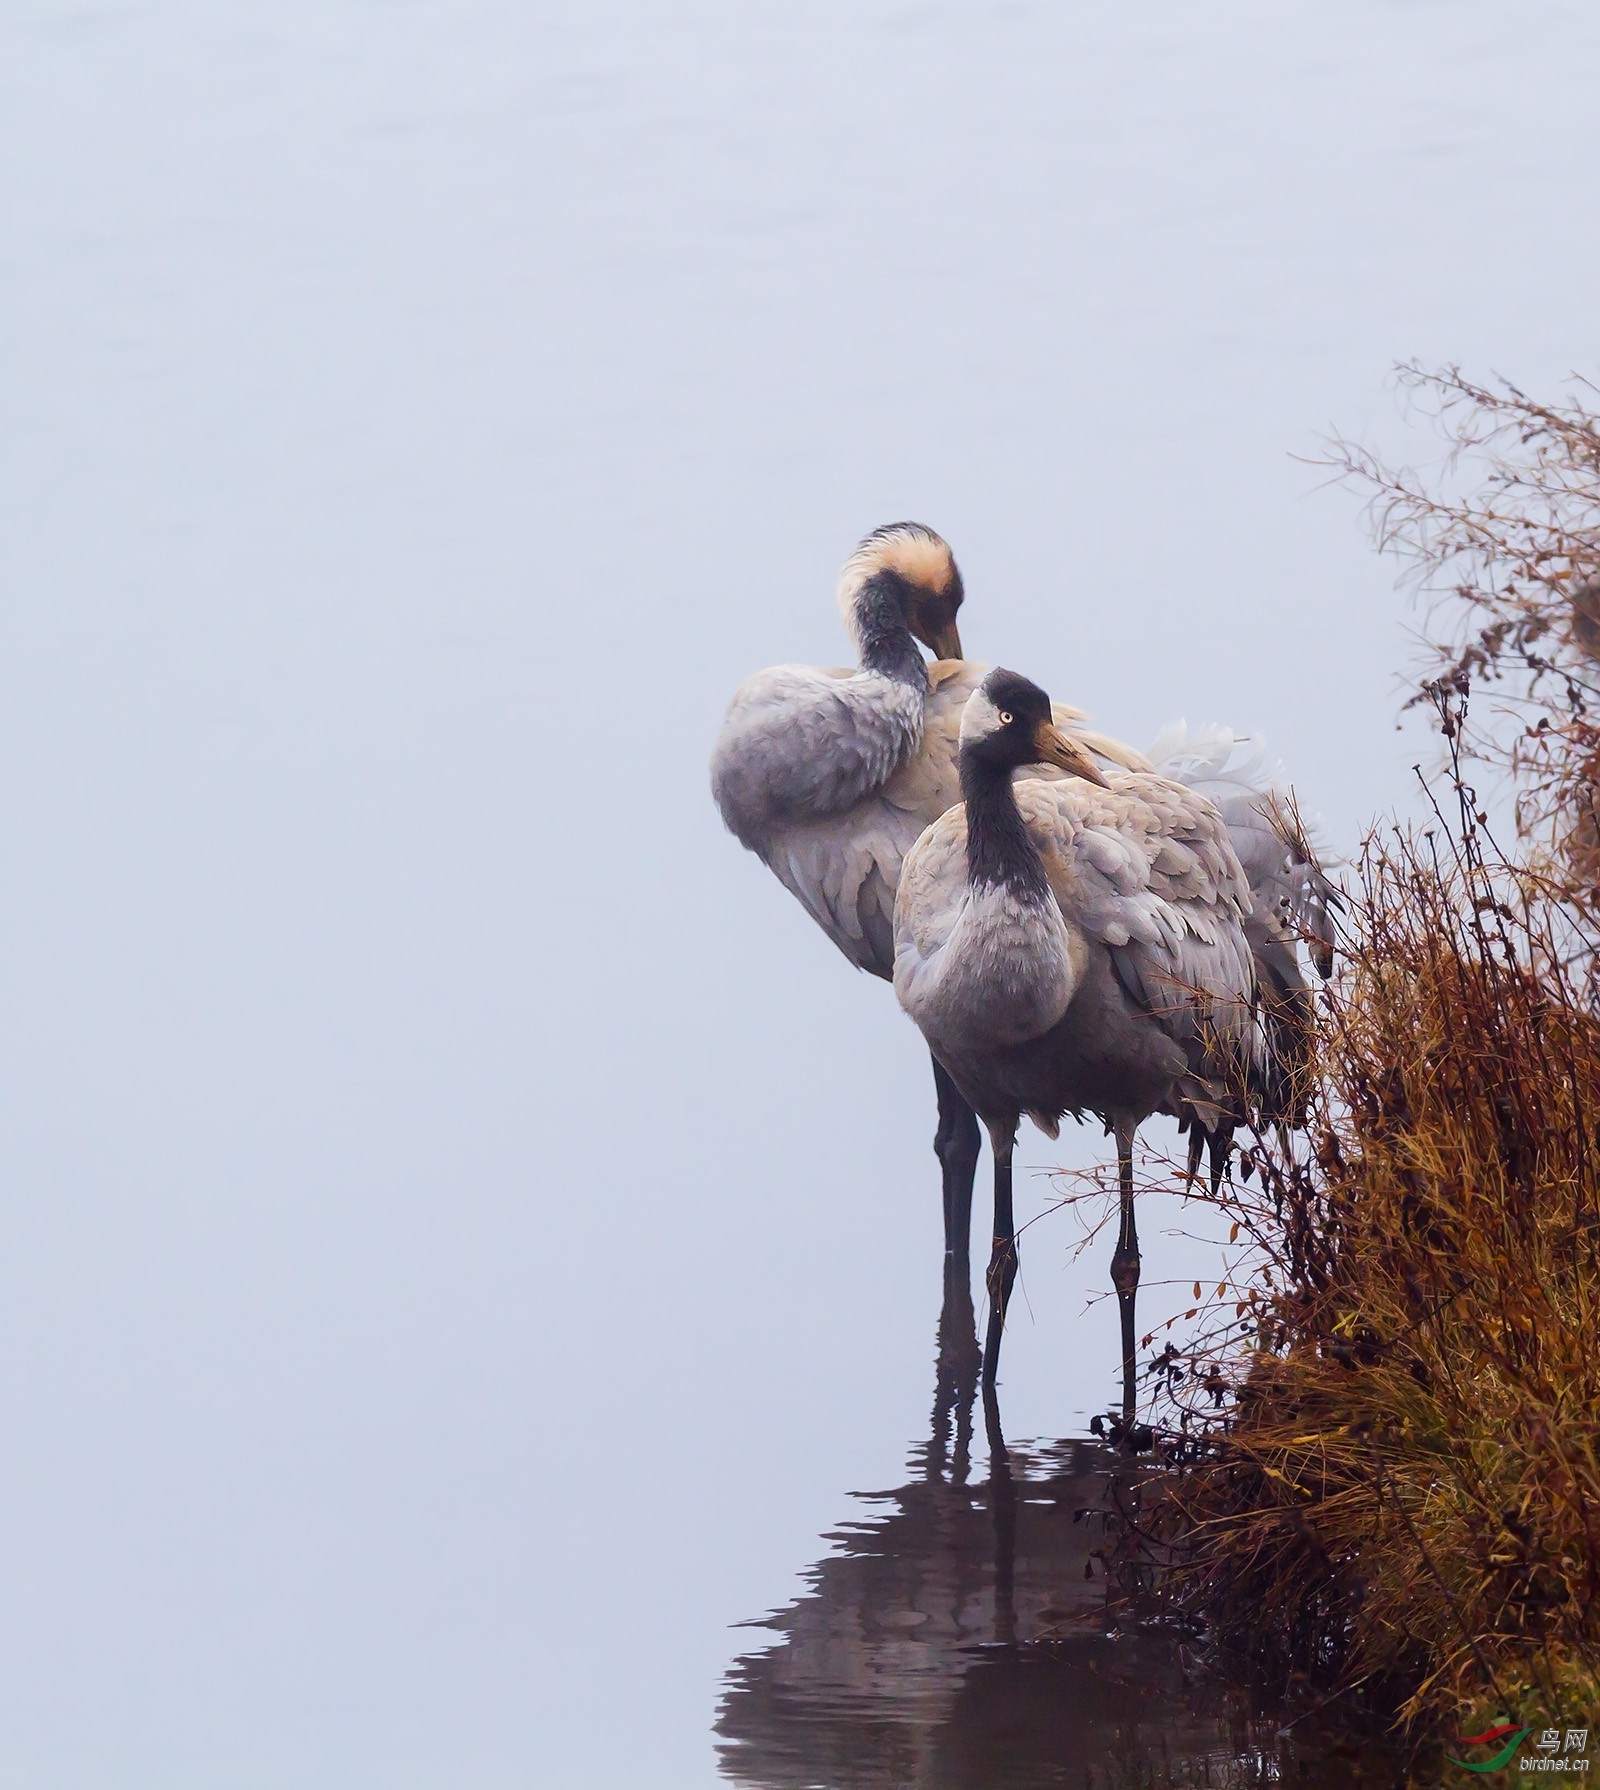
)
(1397, 1482)
(1389, 1434)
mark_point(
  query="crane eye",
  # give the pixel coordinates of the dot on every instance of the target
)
(1005, 717)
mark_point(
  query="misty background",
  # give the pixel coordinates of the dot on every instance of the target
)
(465, 1232)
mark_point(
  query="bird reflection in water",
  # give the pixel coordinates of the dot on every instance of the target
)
(960, 1638)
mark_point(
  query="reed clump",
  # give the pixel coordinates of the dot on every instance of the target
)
(1388, 1431)
(1401, 1484)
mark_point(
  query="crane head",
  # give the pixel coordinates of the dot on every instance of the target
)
(915, 567)
(1007, 721)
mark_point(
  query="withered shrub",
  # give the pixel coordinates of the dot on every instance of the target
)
(1389, 1438)
(1503, 543)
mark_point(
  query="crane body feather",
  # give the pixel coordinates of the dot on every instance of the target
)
(832, 821)
(1130, 990)
(801, 743)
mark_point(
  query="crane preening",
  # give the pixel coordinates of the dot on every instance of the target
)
(833, 777)
(828, 776)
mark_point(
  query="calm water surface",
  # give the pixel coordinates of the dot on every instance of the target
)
(979, 1628)
(465, 1236)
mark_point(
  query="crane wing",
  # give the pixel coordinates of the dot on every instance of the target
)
(847, 868)
(1146, 869)
(787, 751)
(1295, 901)
(845, 871)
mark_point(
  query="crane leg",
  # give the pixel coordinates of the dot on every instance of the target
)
(955, 1376)
(1125, 1271)
(1003, 1254)
(955, 1143)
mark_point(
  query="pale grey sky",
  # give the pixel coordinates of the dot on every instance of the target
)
(464, 1230)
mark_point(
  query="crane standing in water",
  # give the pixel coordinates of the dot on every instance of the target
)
(829, 776)
(1067, 948)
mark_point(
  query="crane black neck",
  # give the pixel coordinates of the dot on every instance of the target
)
(1000, 853)
(887, 646)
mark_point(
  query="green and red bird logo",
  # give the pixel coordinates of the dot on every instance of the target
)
(1509, 1732)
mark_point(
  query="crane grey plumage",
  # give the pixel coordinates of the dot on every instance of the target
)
(1293, 903)
(1068, 949)
(829, 776)
(1271, 838)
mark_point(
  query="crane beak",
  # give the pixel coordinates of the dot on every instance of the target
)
(1060, 749)
(946, 642)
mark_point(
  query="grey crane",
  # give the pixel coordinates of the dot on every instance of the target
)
(1081, 947)
(830, 775)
